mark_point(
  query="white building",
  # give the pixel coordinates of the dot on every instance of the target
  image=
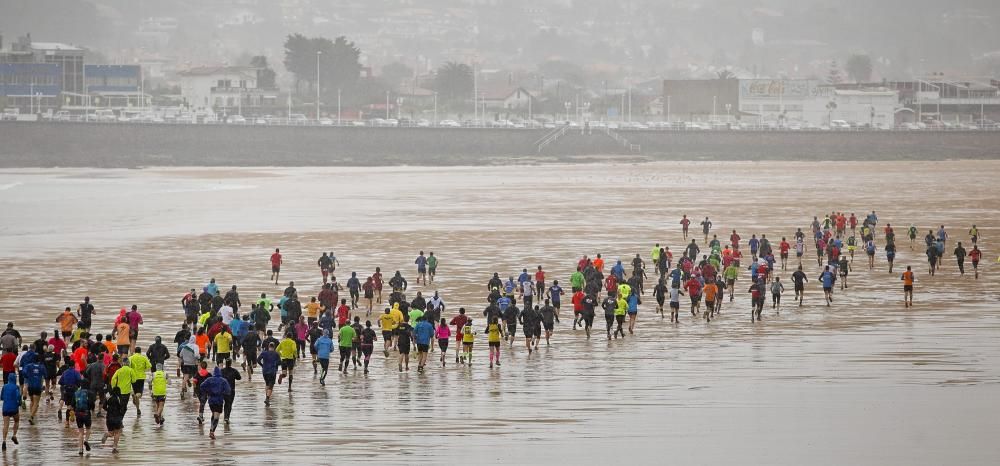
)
(775, 100)
(223, 89)
(865, 107)
(506, 98)
(808, 102)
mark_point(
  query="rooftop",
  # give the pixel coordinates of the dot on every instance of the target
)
(873, 92)
(216, 70)
(55, 46)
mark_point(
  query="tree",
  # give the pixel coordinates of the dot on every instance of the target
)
(395, 72)
(300, 58)
(830, 107)
(454, 81)
(859, 67)
(265, 75)
(340, 65)
(725, 74)
(834, 76)
(337, 60)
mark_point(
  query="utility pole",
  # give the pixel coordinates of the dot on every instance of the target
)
(630, 100)
(529, 106)
(475, 93)
(578, 114)
(142, 89)
(338, 107)
(435, 109)
(318, 53)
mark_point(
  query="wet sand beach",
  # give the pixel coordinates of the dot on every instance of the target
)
(864, 381)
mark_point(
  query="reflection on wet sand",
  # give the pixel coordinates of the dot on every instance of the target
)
(862, 382)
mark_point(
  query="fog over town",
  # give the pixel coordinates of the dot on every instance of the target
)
(482, 61)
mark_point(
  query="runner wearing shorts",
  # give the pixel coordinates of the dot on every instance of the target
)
(11, 399)
(287, 349)
(443, 334)
(275, 265)
(908, 278)
(388, 325)
(346, 339)
(83, 401)
(975, 255)
(494, 331)
(269, 360)
(404, 334)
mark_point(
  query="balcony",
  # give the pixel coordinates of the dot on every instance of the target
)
(236, 90)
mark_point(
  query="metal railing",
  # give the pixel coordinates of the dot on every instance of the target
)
(551, 137)
(634, 148)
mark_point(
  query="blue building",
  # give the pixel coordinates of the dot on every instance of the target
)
(118, 86)
(69, 58)
(32, 87)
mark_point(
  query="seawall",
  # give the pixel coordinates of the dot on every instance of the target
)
(42, 144)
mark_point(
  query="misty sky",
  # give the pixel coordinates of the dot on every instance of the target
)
(640, 37)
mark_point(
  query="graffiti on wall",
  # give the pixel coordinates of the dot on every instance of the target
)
(757, 88)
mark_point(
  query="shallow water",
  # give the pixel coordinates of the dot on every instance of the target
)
(862, 382)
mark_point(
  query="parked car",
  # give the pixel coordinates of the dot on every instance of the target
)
(148, 117)
(297, 119)
(449, 124)
(10, 114)
(325, 122)
(236, 120)
(840, 124)
(105, 115)
(62, 115)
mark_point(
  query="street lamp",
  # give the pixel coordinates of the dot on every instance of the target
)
(318, 53)
(338, 107)
(386, 105)
(728, 108)
(435, 109)
(714, 100)
(668, 109)
(578, 113)
(583, 111)
(567, 104)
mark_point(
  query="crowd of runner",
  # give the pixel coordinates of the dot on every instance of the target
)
(86, 373)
